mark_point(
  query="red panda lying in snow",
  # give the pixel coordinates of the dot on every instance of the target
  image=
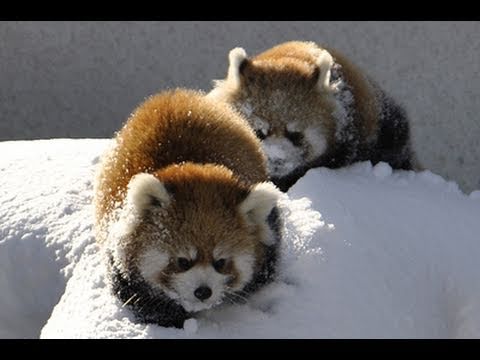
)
(311, 107)
(192, 176)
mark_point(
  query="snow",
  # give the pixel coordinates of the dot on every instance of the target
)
(282, 156)
(382, 170)
(45, 212)
(190, 326)
(367, 252)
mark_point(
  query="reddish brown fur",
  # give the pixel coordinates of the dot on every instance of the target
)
(207, 157)
(173, 127)
(296, 57)
(293, 49)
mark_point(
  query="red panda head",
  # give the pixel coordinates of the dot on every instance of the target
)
(200, 234)
(286, 95)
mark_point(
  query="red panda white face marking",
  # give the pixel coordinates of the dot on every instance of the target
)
(152, 261)
(288, 144)
(197, 286)
(245, 265)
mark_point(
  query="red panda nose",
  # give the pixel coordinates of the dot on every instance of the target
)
(203, 292)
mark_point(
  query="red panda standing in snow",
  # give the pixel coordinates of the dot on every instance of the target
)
(312, 107)
(185, 181)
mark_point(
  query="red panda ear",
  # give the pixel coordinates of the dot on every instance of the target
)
(324, 62)
(145, 190)
(258, 204)
(237, 61)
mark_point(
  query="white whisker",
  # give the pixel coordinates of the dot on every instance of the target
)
(130, 299)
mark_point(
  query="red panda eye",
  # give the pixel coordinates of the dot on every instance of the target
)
(260, 134)
(295, 137)
(184, 264)
(219, 264)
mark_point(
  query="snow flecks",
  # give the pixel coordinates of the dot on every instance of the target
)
(344, 104)
(245, 108)
(190, 326)
(282, 156)
(316, 140)
(382, 170)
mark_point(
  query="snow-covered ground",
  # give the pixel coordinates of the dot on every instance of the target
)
(45, 223)
(367, 252)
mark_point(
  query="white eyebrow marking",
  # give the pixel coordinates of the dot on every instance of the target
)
(190, 253)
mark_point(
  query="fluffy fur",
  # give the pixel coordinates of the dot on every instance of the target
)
(183, 209)
(312, 107)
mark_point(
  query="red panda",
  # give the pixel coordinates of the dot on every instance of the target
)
(311, 107)
(184, 210)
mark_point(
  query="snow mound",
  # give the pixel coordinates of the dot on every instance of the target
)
(367, 253)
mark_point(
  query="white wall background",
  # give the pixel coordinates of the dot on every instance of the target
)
(82, 79)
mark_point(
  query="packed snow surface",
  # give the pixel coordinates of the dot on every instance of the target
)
(367, 252)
